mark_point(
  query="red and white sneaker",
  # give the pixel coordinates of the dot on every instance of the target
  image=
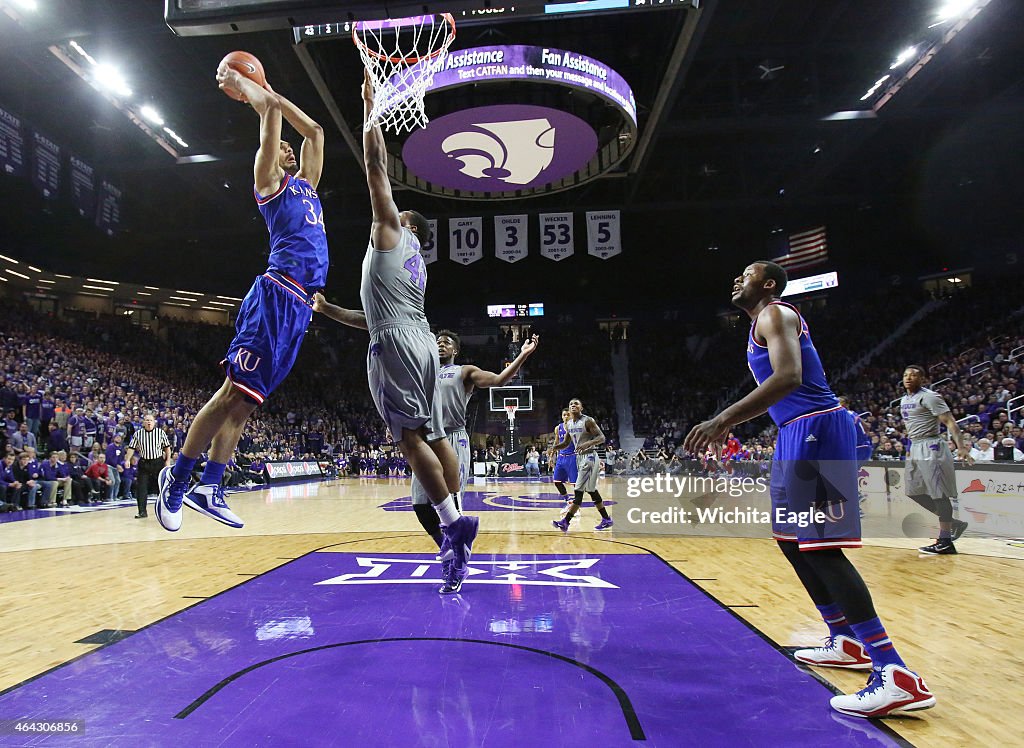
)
(839, 651)
(890, 690)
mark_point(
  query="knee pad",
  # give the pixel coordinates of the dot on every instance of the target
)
(596, 496)
(560, 487)
(577, 499)
(944, 508)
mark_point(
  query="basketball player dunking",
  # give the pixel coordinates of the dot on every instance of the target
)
(274, 315)
(402, 363)
(564, 461)
(586, 436)
(814, 475)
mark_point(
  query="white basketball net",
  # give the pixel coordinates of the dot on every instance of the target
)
(402, 55)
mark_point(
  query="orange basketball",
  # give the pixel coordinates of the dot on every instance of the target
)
(249, 66)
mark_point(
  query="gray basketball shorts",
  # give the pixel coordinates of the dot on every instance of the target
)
(401, 367)
(587, 469)
(929, 469)
(460, 442)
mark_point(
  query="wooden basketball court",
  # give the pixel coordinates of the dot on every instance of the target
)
(66, 578)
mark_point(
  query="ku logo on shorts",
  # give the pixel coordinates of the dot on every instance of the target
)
(246, 360)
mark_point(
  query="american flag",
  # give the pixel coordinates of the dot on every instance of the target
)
(806, 249)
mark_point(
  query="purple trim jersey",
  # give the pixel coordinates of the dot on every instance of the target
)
(298, 237)
(813, 394)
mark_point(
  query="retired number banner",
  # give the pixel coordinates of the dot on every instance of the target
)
(603, 239)
(556, 235)
(428, 250)
(510, 238)
(465, 240)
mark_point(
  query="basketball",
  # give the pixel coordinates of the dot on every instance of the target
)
(246, 64)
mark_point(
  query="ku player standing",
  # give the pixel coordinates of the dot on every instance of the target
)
(565, 462)
(274, 315)
(929, 474)
(814, 469)
(402, 362)
(586, 436)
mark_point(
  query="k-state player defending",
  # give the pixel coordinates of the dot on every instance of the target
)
(274, 315)
(455, 384)
(585, 436)
(402, 363)
(814, 470)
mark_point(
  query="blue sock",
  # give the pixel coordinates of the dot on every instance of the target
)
(182, 470)
(836, 621)
(871, 634)
(213, 473)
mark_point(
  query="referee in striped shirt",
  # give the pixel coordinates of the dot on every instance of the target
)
(154, 454)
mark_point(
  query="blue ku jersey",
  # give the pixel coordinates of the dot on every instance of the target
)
(565, 464)
(298, 237)
(814, 470)
(812, 396)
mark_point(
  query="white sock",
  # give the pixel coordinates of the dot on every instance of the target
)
(447, 511)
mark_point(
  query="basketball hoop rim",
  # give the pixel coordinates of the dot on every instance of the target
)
(410, 59)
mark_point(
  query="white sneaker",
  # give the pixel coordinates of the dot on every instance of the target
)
(839, 651)
(890, 690)
(208, 499)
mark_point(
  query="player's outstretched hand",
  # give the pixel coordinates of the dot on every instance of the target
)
(529, 346)
(318, 302)
(710, 432)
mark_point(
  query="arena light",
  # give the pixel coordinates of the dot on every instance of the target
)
(152, 288)
(97, 288)
(43, 280)
(175, 137)
(151, 114)
(99, 280)
(181, 298)
(230, 298)
(171, 303)
(875, 87)
(10, 260)
(190, 293)
(59, 275)
(903, 57)
(34, 269)
(15, 272)
(5, 280)
(27, 4)
(223, 303)
(954, 9)
(213, 309)
(143, 293)
(90, 293)
(108, 77)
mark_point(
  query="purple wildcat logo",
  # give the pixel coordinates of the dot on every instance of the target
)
(500, 148)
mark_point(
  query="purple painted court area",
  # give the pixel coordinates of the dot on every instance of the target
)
(359, 650)
(496, 501)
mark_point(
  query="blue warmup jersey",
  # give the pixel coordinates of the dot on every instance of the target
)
(815, 463)
(565, 464)
(298, 238)
(812, 396)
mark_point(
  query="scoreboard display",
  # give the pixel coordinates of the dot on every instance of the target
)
(516, 311)
(317, 18)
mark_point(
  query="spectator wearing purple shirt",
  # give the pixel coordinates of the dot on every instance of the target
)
(47, 409)
(52, 478)
(32, 410)
(23, 473)
(128, 477)
(10, 487)
(115, 460)
(56, 438)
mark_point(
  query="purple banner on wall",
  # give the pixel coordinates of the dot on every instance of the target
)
(523, 62)
(500, 148)
(83, 187)
(12, 144)
(108, 210)
(45, 165)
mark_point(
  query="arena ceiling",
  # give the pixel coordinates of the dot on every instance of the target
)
(737, 136)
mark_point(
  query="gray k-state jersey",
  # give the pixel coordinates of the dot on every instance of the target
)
(577, 430)
(921, 413)
(393, 285)
(454, 398)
